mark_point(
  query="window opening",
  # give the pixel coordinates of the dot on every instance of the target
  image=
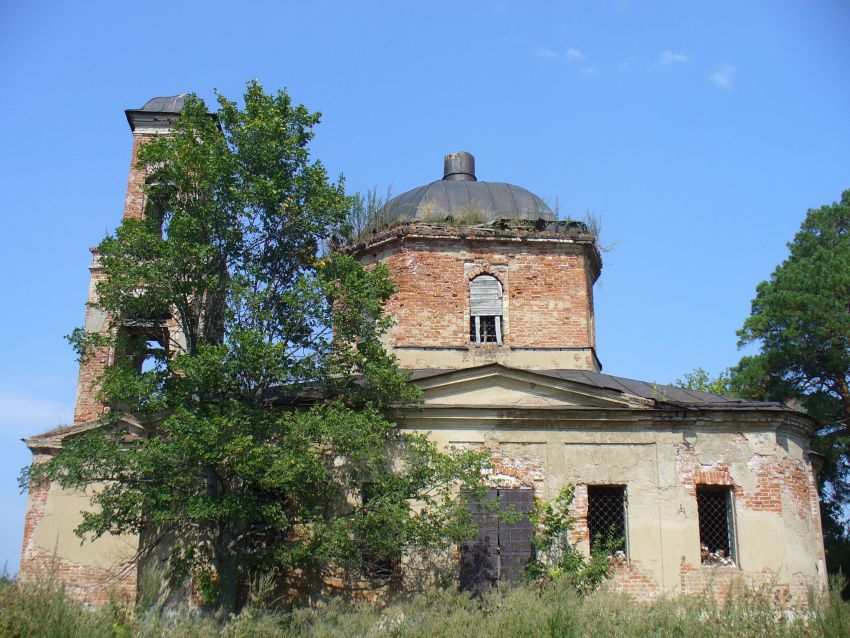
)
(716, 528)
(485, 330)
(606, 519)
(485, 310)
(150, 359)
(146, 346)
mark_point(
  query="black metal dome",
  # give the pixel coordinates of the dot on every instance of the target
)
(459, 196)
(169, 104)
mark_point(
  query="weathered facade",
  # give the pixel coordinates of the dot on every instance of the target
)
(494, 320)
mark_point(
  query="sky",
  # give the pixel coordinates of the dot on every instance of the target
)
(698, 133)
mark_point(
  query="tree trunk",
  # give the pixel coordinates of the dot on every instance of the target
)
(228, 582)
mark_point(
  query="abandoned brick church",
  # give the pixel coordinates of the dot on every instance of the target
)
(494, 319)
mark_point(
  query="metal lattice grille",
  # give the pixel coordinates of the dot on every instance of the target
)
(715, 525)
(606, 516)
(484, 329)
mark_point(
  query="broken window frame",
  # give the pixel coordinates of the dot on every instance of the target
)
(624, 500)
(485, 310)
(731, 546)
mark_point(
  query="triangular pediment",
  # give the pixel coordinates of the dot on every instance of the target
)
(53, 439)
(498, 386)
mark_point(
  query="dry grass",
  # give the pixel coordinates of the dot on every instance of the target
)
(42, 609)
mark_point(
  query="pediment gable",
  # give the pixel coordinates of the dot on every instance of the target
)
(53, 439)
(498, 386)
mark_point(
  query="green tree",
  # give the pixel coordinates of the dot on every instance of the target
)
(255, 369)
(701, 380)
(800, 318)
(558, 557)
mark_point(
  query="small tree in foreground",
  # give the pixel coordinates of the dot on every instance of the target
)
(255, 368)
(557, 555)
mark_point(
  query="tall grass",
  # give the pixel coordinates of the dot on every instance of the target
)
(45, 609)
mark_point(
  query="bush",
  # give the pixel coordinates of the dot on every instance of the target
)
(557, 557)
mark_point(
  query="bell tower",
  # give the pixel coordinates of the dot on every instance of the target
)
(154, 118)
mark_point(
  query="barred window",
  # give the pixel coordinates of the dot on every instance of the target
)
(485, 310)
(606, 518)
(716, 528)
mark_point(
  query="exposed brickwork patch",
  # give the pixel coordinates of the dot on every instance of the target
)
(632, 579)
(93, 585)
(517, 471)
(548, 297)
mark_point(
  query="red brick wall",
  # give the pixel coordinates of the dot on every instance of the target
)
(94, 586)
(135, 200)
(36, 500)
(631, 578)
(87, 406)
(775, 475)
(547, 288)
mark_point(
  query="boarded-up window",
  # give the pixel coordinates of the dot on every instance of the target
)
(485, 310)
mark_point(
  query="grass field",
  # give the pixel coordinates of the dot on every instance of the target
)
(552, 610)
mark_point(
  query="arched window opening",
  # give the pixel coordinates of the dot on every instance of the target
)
(485, 310)
(146, 346)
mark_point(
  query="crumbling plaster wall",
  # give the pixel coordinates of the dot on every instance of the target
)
(777, 521)
(92, 570)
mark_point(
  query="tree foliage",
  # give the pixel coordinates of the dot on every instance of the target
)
(254, 367)
(366, 214)
(701, 380)
(557, 555)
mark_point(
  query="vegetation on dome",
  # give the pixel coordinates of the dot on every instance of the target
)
(368, 217)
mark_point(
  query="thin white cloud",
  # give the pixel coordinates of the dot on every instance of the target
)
(590, 70)
(669, 57)
(23, 413)
(546, 54)
(574, 54)
(722, 77)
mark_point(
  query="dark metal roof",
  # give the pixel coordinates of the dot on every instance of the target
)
(462, 198)
(168, 104)
(667, 394)
(478, 202)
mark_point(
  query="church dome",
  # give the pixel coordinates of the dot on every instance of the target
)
(167, 104)
(461, 198)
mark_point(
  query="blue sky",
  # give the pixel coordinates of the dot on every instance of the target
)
(698, 132)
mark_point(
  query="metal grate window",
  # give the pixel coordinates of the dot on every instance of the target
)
(606, 516)
(716, 535)
(485, 329)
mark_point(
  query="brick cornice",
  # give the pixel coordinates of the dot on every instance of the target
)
(440, 234)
